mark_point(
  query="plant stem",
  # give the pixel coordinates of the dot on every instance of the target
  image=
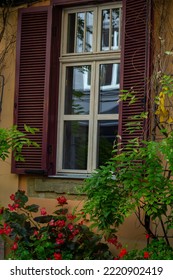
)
(164, 231)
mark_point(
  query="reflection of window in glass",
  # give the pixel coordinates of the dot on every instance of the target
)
(110, 29)
(77, 99)
(80, 32)
(108, 88)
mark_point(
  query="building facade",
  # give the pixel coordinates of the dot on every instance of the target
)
(69, 62)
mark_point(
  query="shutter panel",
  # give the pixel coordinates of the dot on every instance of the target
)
(32, 85)
(135, 63)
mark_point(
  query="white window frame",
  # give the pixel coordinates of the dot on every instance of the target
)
(94, 58)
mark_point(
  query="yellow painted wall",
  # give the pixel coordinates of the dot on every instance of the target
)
(8, 181)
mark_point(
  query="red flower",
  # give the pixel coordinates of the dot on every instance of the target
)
(60, 235)
(71, 217)
(57, 256)
(62, 200)
(122, 253)
(52, 223)
(1, 231)
(60, 223)
(13, 207)
(15, 246)
(146, 255)
(6, 229)
(1, 210)
(75, 232)
(12, 197)
(112, 240)
(10, 207)
(147, 236)
(60, 241)
(70, 227)
(36, 232)
(43, 211)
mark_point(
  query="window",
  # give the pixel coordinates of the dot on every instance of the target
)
(89, 87)
(83, 78)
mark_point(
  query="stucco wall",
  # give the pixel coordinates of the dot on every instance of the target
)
(8, 181)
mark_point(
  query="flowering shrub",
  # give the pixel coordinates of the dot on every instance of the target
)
(156, 250)
(44, 236)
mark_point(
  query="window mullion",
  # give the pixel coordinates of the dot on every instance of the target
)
(110, 30)
(84, 37)
(95, 115)
(75, 39)
(61, 116)
(91, 122)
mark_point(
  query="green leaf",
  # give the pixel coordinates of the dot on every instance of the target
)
(32, 208)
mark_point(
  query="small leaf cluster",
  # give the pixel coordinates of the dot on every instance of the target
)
(15, 140)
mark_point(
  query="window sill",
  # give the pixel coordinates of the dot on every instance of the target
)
(69, 176)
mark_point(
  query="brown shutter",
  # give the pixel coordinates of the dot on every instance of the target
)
(32, 84)
(135, 63)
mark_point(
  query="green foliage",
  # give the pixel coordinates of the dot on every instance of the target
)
(15, 140)
(134, 180)
(137, 179)
(156, 250)
(44, 236)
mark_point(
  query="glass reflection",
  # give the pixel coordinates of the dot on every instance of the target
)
(80, 32)
(71, 33)
(107, 131)
(105, 29)
(115, 29)
(77, 90)
(75, 145)
(89, 31)
(110, 29)
(108, 88)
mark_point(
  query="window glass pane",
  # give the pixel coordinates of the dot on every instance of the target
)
(77, 90)
(80, 32)
(71, 33)
(108, 88)
(107, 131)
(89, 31)
(115, 29)
(75, 147)
(105, 30)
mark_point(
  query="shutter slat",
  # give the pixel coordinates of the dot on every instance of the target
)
(134, 64)
(32, 84)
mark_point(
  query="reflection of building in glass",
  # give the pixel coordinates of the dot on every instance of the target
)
(110, 29)
(77, 102)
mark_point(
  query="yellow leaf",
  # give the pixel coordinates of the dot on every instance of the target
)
(170, 120)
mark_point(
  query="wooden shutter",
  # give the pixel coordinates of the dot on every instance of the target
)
(135, 63)
(32, 84)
